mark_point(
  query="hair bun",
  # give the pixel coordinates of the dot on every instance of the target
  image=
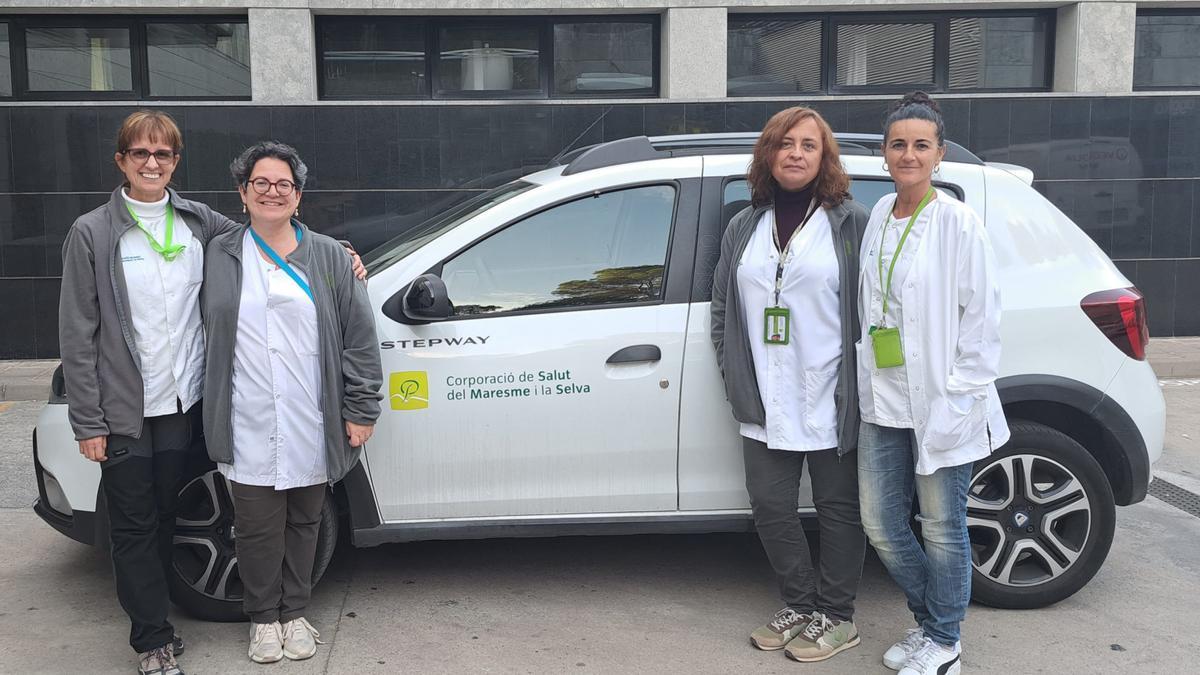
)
(918, 98)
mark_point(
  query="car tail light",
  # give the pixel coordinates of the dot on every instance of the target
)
(1120, 314)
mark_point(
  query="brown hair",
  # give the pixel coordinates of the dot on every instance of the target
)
(153, 124)
(832, 183)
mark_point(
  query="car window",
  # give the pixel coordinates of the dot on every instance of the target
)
(402, 245)
(866, 191)
(602, 249)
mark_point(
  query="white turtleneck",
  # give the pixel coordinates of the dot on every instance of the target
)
(164, 305)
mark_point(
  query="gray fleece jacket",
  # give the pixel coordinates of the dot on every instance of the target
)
(728, 325)
(100, 361)
(351, 371)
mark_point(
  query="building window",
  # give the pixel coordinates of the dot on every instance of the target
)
(111, 57)
(1167, 50)
(372, 59)
(769, 57)
(198, 59)
(458, 58)
(488, 59)
(1005, 52)
(5, 62)
(78, 59)
(884, 54)
(777, 55)
(602, 58)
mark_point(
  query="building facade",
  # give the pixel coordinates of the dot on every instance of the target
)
(401, 108)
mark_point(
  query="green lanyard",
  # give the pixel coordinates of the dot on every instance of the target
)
(891, 268)
(166, 249)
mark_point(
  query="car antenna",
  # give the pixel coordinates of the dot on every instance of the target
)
(568, 147)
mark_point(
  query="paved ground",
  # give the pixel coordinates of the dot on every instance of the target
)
(602, 605)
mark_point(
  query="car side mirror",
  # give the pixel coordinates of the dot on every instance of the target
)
(426, 300)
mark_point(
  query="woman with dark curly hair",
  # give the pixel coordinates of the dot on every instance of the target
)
(930, 314)
(292, 389)
(784, 325)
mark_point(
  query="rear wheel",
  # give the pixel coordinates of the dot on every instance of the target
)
(1040, 515)
(204, 578)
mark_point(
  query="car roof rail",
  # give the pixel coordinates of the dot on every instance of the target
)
(643, 148)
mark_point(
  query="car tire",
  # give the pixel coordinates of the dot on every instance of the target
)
(1040, 517)
(204, 579)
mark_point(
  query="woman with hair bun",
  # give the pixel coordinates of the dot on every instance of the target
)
(929, 355)
(784, 326)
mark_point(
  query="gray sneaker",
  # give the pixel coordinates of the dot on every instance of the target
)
(266, 642)
(822, 638)
(300, 639)
(159, 661)
(780, 630)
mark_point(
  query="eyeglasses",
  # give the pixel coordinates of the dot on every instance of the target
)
(282, 187)
(142, 155)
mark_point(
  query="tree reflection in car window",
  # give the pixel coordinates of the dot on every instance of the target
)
(604, 249)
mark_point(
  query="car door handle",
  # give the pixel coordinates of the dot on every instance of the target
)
(636, 354)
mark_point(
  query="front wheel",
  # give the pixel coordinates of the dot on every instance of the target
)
(204, 578)
(1040, 516)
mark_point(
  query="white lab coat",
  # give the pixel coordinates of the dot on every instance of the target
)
(946, 284)
(796, 381)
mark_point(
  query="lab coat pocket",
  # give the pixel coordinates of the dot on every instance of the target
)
(820, 407)
(863, 367)
(954, 423)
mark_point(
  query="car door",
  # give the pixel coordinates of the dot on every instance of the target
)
(554, 386)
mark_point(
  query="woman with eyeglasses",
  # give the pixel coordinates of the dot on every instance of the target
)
(133, 359)
(292, 386)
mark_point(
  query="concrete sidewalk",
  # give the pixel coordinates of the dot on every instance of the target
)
(30, 380)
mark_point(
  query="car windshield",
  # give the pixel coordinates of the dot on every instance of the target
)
(402, 245)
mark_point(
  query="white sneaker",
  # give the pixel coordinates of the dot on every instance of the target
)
(934, 659)
(300, 639)
(898, 653)
(265, 643)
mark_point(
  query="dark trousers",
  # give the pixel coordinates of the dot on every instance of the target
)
(773, 482)
(141, 480)
(276, 544)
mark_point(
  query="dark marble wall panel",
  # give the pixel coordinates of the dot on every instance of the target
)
(1126, 169)
(18, 336)
(1156, 279)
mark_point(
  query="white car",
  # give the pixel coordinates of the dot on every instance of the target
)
(549, 372)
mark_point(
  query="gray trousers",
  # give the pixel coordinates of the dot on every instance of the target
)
(773, 482)
(276, 535)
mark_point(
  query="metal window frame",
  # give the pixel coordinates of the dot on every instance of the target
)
(1190, 11)
(544, 25)
(941, 48)
(139, 61)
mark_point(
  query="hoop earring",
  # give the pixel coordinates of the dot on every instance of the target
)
(885, 166)
(937, 168)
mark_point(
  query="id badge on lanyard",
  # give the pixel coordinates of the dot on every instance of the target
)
(885, 342)
(777, 320)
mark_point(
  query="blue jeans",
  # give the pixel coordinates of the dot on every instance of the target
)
(936, 579)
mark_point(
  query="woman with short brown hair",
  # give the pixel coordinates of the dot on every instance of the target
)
(133, 358)
(784, 322)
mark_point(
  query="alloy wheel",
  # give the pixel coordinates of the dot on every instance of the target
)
(1028, 518)
(205, 557)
